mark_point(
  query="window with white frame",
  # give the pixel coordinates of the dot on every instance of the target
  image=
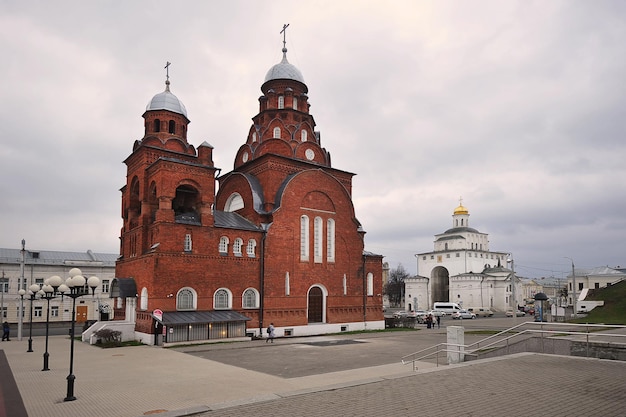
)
(295, 103)
(4, 286)
(281, 102)
(303, 135)
(370, 283)
(143, 302)
(188, 242)
(221, 299)
(250, 298)
(317, 240)
(277, 132)
(253, 136)
(237, 244)
(54, 311)
(105, 286)
(223, 249)
(304, 238)
(38, 311)
(251, 248)
(330, 240)
(186, 299)
(234, 202)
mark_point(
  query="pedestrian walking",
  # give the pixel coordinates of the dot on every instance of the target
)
(438, 322)
(6, 331)
(270, 333)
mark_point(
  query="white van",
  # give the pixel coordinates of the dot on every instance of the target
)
(480, 311)
(447, 308)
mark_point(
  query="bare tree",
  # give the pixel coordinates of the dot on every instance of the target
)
(394, 288)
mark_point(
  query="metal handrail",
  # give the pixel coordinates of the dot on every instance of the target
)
(467, 350)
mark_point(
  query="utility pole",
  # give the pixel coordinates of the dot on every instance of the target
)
(573, 286)
(20, 286)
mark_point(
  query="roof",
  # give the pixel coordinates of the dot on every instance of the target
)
(232, 220)
(47, 257)
(284, 71)
(167, 101)
(461, 230)
(190, 317)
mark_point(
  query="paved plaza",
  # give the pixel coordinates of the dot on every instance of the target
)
(343, 375)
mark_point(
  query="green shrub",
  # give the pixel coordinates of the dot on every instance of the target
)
(108, 337)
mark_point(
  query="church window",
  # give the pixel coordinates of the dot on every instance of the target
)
(237, 244)
(446, 246)
(250, 298)
(461, 222)
(330, 240)
(304, 238)
(234, 202)
(171, 127)
(222, 299)
(303, 135)
(254, 137)
(188, 242)
(223, 248)
(317, 240)
(281, 102)
(277, 132)
(185, 205)
(295, 103)
(251, 248)
(345, 284)
(287, 284)
(143, 301)
(186, 299)
(157, 125)
(370, 283)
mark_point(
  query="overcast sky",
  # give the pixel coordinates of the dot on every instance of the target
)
(517, 107)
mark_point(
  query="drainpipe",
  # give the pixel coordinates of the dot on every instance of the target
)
(364, 291)
(262, 279)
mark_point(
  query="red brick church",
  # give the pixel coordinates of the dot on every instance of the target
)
(278, 243)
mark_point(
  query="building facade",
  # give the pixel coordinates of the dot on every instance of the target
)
(21, 268)
(462, 269)
(278, 243)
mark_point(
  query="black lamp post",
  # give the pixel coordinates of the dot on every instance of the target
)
(32, 292)
(77, 288)
(52, 286)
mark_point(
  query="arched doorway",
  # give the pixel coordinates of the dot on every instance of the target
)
(440, 284)
(316, 305)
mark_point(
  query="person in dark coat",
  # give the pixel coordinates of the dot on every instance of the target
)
(6, 331)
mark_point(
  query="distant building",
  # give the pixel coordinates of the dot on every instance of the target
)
(592, 278)
(38, 265)
(462, 269)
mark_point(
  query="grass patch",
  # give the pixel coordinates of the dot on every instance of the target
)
(614, 309)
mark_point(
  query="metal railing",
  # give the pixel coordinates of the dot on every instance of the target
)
(503, 339)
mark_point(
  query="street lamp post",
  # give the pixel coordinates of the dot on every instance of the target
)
(513, 294)
(53, 285)
(32, 293)
(76, 285)
(3, 281)
(20, 314)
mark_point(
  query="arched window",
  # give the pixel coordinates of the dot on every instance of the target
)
(253, 136)
(250, 298)
(188, 243)
(370, 283)
(234, 202)
(157, 125)
(237, 244)
(186, 299)
(171, 127)
(304, 238)
(303, 135)
(317, 240)
(143, 302)
(251, 248)
(277, 132)
(281, 102)
(223, 249)
(330, 240)
(295, 103)
(222, 299)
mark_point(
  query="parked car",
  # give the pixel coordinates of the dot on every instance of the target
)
(518, 313)
(463, 314)
(400, 314)
(436, 313)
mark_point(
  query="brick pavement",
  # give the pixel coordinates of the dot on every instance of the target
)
(299, 377)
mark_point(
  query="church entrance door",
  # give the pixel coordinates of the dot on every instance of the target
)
(315, 305)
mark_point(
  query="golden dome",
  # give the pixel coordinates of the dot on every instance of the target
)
(461, 209)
